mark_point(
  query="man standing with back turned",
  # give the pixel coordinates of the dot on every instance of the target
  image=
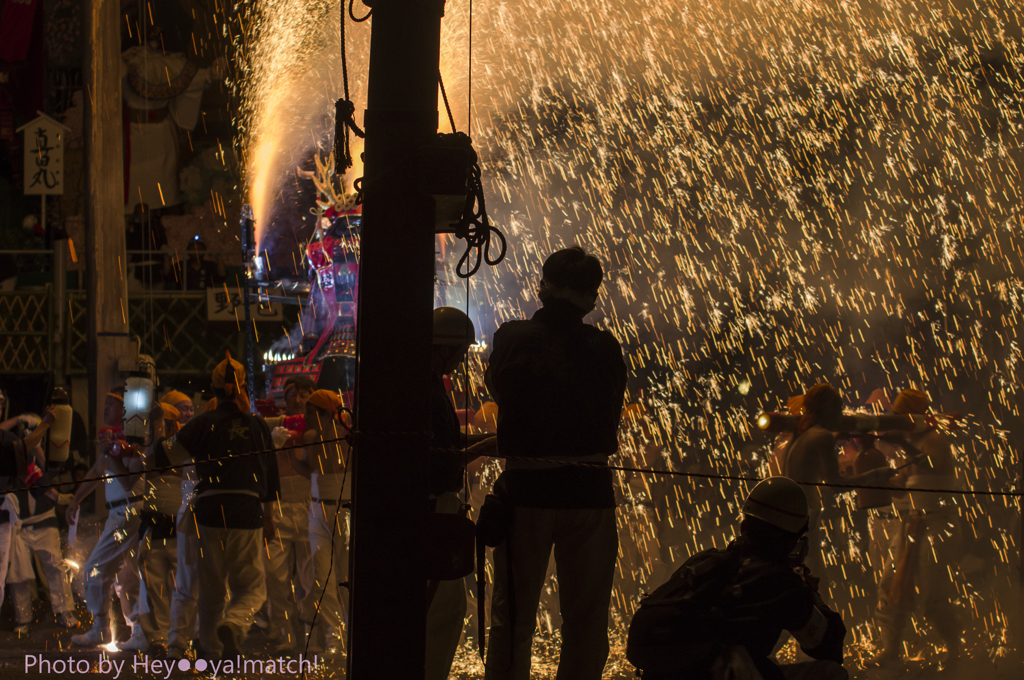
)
(559, 384)
(233, 509)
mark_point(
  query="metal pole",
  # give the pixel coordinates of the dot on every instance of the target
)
(248, 235)
(389, 512)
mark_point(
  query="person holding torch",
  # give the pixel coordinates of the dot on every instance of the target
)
(922, 541)
(811, 458)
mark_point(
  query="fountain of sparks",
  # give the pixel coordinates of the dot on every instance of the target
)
(782, 192)
(290, 66)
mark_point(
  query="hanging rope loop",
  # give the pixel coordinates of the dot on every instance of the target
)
(344, 122)
(352, 13)
(474, 226)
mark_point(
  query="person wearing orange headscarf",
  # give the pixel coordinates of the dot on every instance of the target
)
(811, 458)
(326, 462)
(910, 577)
(158, 554)
(290, 552)
(780, 449)
(233, 508)
(182, 404)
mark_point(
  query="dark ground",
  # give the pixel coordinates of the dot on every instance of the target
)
(54, 642)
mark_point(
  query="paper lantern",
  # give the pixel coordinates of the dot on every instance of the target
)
(138, 400)
(60, 430)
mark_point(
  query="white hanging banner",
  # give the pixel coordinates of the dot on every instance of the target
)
(44, 156)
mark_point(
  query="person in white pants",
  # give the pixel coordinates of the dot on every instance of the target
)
(232, 508)
(186, 578)
(158, 553)
(8, 519)
(328, 519)
(8, 516)
(37, 533)
(112, 566)
(14, 456)
(184, 605)
(290, 550)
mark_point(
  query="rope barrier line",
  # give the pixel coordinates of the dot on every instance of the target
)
(352, 438)
(746, 478)
(168, 468)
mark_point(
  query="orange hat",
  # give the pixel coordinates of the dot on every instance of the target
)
(174, 397)
(210, 405)
(910, 401)
(815, 400)
(820, 396)
(230, 372)
(220, 373)
(487, 417)
(170, 413)
(633, 412)
(327, 400)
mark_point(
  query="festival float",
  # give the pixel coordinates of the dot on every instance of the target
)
(323, 346)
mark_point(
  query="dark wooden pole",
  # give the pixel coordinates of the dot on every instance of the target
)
(105, 257)
(394, 335)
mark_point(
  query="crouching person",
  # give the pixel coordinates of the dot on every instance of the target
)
(721, 613)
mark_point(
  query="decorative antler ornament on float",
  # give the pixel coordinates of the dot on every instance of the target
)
(333, 255)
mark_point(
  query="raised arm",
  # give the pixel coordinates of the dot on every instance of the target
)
(86, 487)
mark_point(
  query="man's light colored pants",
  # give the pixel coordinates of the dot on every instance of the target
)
(113, 565)
(934, 592)
(158, 561)
(44, 542)
(290, 548)
(326, 576)
(586, 546)
(5, 555)
(447, 612)
(184, 603)
(230, 562)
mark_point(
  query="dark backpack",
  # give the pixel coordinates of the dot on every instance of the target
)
(681, 625)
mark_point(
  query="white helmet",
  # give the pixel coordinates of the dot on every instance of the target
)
(779, 501)
(453, 327)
